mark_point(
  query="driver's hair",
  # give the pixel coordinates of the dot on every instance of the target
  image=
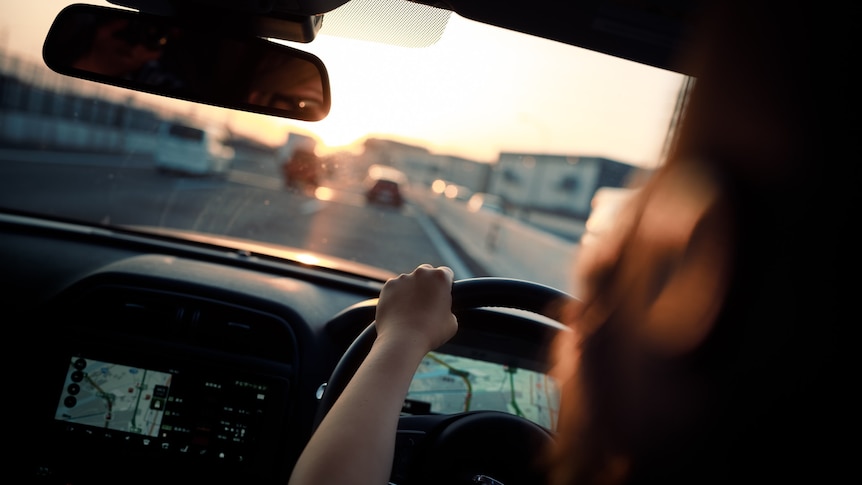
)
(691, 359)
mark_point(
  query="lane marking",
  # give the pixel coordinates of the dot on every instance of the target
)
(439, 241)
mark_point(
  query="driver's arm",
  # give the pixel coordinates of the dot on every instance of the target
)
(355, 442)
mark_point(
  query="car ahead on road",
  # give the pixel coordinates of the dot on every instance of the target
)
(385, 186)
(186, 330)
(185, 149)
(487, 202)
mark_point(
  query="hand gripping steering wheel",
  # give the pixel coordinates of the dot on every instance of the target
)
(474, 446)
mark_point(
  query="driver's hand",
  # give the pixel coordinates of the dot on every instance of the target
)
(415, 309)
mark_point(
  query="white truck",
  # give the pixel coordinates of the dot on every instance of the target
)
(186, 149)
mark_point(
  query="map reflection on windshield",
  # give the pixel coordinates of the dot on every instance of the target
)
(446, 384)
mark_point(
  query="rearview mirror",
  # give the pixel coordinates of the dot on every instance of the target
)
(163, 56)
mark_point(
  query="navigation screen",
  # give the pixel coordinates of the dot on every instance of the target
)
(113, 396)
(446, 384)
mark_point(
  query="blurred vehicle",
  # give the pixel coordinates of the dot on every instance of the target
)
(186, 149)
(302, 171)
(489, 202)
(457, 192)
(385, 186)
(451, 190)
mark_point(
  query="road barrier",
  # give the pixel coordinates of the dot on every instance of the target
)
(503, 245)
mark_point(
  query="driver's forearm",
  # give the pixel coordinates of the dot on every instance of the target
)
(355, 442)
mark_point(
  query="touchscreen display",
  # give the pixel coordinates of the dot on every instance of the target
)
(113, 396)
(180, 408)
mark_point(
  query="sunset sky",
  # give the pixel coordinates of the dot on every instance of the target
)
(490, 98)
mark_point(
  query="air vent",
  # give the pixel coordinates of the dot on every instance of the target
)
(185, 319)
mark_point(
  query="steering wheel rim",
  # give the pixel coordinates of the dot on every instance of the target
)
(442, 433)
(466, 293)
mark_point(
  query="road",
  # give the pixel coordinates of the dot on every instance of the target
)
(128, 191)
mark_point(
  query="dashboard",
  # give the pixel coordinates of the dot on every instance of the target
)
(150, 359)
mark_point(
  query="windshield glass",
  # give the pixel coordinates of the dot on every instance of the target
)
(537, 125)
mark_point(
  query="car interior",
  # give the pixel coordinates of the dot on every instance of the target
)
(157, 353)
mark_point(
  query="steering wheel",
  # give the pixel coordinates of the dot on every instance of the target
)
(471, 447)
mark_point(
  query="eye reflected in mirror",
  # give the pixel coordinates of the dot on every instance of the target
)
(286, 83)
(161, 56)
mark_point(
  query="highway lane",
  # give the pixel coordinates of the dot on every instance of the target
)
(124, 191)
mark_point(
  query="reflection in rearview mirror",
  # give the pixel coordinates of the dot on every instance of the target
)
(160, 56)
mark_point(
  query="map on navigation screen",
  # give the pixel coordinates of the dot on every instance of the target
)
(446, 384)
(112, 396)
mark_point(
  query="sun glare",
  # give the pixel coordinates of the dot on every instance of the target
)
(323, 193)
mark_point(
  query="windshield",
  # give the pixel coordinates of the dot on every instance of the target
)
(537, 125)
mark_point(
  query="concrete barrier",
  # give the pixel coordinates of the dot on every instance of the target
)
(503, 245)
